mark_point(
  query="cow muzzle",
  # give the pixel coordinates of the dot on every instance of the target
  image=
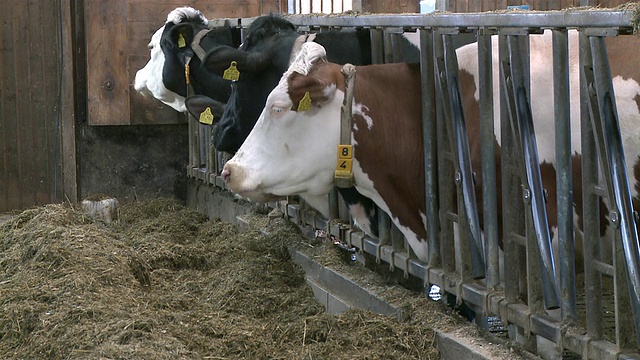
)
(235, 177)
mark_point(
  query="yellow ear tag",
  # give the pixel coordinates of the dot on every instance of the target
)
(206, 117)
(181, 41)
(232, 72)
(305, 102)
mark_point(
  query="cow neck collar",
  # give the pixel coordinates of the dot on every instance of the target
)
(343, 176)
(297, 45)
(195, 44)
(199, 51)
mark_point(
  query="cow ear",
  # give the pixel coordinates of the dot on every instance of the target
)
(318, 90)
(182, 35)
(220, 57)
(204, 108)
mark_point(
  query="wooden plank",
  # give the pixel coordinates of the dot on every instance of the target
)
(7, 112)
(501, 4)
(42, 107)
(69, 174)
(474, 6)
(25, 137)
(157, 11)
(391, 6)
(488, 5)
(107, 87)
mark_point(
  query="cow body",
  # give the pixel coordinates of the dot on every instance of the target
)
(291, 152)
(163, 77)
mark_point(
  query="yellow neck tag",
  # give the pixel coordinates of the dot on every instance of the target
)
(232, 72)
(305, 102)
(181, 41)
(206, 117)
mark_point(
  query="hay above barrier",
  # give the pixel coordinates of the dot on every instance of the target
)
(164, 282)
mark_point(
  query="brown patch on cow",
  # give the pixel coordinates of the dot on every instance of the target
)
(319, 78)
(391, 151)
(622, 50)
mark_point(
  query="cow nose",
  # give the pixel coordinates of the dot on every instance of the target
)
(226, 174)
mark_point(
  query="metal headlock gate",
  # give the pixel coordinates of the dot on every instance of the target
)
(468, 267)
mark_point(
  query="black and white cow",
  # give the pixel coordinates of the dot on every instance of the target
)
(295, 152)
(171, 47)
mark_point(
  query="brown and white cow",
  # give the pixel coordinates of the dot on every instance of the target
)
(291, 152)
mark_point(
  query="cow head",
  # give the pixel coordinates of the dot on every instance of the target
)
(261, 61)
(292, 152)
(163, 77)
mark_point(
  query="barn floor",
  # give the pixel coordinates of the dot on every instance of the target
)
(165, 282)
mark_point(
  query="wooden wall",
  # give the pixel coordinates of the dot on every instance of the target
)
(34, 102)
(117, 33)
(390, 6)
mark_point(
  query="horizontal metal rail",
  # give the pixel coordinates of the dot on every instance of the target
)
(592, 18)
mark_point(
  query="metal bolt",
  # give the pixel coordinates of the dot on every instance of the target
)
(635, 216)
(458, 178)
(545, 192)
(614, 218)
(108, 85)
(475, 178)
(592, 89)
(526, 195)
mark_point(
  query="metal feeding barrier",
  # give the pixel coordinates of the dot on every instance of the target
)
(525, 295)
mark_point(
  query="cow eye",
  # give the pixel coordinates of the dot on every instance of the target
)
(277, 109)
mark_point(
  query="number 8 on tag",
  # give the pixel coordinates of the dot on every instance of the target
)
(345, 152)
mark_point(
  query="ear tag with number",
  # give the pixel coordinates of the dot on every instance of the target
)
(232, 72)
(181, 41)
(206, 117)
(305, 102)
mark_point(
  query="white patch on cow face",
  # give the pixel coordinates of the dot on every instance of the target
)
(148, 80)
(288, 152)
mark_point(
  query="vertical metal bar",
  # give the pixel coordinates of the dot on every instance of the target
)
(445, 184)
(621, 213)
(522, 125)
(334, 208)
(564, 179)
(377, 46)
(488, 149)
(590, 202)
(464, 173)
(202, 136)
(512, 209)
(449, 91)
(194, 141)
(430, 144)
(388, 49)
